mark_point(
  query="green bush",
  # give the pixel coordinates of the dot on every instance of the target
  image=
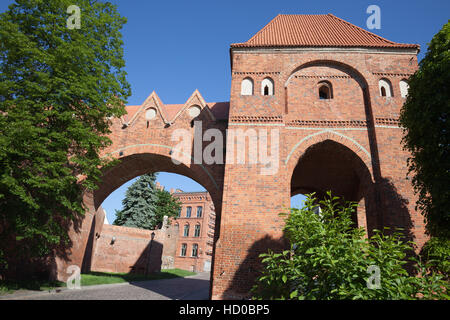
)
(330, 259)
(436, 253)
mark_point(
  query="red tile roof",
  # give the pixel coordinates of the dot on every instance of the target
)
(323, 30)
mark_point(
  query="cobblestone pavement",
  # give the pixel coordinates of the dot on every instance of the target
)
(188, 288)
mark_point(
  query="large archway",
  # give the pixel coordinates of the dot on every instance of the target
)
(138, 164)
(152, 159)
(128, 250)
(332, 166)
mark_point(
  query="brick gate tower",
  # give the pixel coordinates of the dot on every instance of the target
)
(317, 101)
(332, 93)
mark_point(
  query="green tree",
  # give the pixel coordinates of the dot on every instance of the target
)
(425, 118)
(145, 206)
(139, 204)
(329, 259)
(58, 87)
(166, 205)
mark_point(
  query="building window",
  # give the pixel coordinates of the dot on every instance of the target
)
(385, 88)
(188, 212)
(183, 249)
(325, 90)
(197, 230)
(247, 87)
(267, 87)
(179, 212)
(199, 212)
(194, 250)
(186, 230)
(403, 88)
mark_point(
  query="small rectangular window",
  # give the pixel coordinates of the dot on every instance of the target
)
(183, 249)
(188, 212)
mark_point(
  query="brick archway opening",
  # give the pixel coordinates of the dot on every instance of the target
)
(138, 164)
(86, 240)
(134, 252)
(331, 166)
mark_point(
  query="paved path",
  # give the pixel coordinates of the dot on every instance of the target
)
(189, 288)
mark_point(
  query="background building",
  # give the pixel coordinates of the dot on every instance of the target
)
(195, 224)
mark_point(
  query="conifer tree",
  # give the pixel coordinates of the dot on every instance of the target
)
(139, 204)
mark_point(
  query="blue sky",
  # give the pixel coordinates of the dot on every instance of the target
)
(175, 47)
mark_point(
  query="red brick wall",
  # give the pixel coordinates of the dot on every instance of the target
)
(357, 118)
(80, 233)
(132, 250)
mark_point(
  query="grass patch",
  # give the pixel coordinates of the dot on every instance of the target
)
(93, 278)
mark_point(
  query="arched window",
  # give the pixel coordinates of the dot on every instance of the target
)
(325, 90)
(186, 230)
(194, 250)
(197, 230)
(183, 249)
(404, 87)
(385, 88)
(267, 87)
(247, 87)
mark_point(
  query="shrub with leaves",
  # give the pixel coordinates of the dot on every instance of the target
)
(437, 253)
(330, 259)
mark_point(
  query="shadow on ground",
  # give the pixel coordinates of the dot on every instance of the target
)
(192, 288)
